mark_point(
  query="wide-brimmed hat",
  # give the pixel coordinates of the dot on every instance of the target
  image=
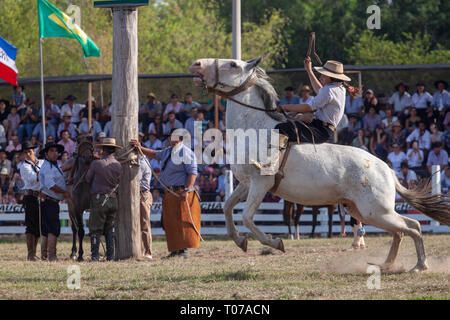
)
(49, 145)
(108, 142)
(71, 98)
(397, 124)
(26, 145)
(333, 69)
(401, 84)
(151, 94)
(305, 88)
(49, 96)
(153, 132)
(436, 83)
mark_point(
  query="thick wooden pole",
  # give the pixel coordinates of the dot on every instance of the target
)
(125, 128)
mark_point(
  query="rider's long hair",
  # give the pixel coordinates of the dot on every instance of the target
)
(353, 91)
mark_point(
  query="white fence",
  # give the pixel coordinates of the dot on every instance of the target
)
(269, 219)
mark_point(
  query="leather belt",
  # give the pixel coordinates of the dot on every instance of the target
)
(31, 193)
(176, 188)
(329, 125)
(51, 199)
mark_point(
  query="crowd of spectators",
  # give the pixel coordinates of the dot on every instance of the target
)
(410, 131)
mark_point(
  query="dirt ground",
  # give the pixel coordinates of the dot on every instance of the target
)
(310, 269)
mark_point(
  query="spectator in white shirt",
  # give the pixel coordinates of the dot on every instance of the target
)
(415, 156)
(73, 107)
(396, 157)
(389, 120)
(401, 99)
(421, 100)
(422, 135)
(407, 177)
(173, 106)
(305, 95)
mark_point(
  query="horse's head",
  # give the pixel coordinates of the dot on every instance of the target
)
(85, 147)
(223, 74)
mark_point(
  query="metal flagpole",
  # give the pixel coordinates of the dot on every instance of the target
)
(42, 92)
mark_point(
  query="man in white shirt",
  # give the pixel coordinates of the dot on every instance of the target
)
(53, 190)
(406, 176)
(422, 135)
(73, 107)
(401, 99)
(29, 171)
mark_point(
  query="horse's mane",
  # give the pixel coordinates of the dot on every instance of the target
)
(268, 93)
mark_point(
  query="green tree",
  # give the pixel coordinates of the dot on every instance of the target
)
(378, 50)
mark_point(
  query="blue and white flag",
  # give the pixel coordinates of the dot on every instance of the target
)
(8, 69)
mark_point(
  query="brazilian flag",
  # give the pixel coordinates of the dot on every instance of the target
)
(55, 23)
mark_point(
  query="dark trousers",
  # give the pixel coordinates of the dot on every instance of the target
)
(306, 132)
(31, 206)
(50, 218)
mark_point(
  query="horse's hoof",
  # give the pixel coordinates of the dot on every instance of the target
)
(80, 259)
(73, 256)
(280, 245)
(419, 268)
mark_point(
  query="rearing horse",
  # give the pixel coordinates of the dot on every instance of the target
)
(321, 174)
(79, 191)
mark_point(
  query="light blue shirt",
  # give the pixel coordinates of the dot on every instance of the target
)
(440, 100)
(353, 106)
(176, 174)
(49, 131)
(145, 174)
(50, 176)
(284, 100)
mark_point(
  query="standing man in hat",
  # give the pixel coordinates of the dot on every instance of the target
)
(441, 98)
(73, 108)
(104, 175)
(181, 207)
(29, 171)
(53, 190)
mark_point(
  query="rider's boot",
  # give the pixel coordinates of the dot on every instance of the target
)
(271, 168)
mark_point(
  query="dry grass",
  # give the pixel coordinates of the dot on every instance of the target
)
(310, 269)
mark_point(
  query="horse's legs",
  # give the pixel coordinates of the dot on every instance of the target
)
(397, 225)
(258, 189)
(315, 210)
(73, 254)
(330, 219)
(80, 237)
(239, 194)
(287, 214)
(300, 209)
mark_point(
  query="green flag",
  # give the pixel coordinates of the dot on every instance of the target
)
(55, 23)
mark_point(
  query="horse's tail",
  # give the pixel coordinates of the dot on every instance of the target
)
(435, 206)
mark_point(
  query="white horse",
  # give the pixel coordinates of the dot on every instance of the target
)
(323, 174)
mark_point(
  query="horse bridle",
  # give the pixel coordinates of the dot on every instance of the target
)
(250, 81)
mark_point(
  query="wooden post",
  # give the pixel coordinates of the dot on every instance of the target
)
(125, 128)
(216, 111)
(90, 105)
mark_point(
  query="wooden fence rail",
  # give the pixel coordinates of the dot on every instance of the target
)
(269, 219)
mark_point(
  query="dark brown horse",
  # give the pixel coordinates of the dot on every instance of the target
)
(288, 215)
(79, 190)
